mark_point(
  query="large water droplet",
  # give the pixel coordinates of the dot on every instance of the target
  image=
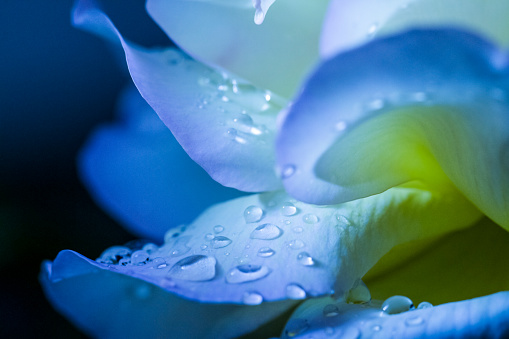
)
(305, 259)
(310, 218)
(252, 298)
(359, 294)
(330, 310)
(287, 171)
(296, 244)
(294, 291)
(265, 252)
(140, 257)
(253, 214)
(266, 232)
(218, 229)
(296, 327)
(194, 268)
(424, 304)
(220, 242)
(288, 209)
(397, 304)
(244, 273)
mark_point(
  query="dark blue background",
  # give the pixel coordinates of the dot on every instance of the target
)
(56, 84)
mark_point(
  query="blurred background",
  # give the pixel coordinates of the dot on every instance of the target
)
(56, 84)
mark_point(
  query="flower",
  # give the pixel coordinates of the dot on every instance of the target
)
(386, 135)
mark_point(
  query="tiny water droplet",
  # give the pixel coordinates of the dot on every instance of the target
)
(265, 252)
(310, 218)
(266, 232)
(298, 229)
(414, 321)
(288, 209)
(231, 133)
(140, 257)
(305, 259)
(220, 241)
(252, 298)
(397, 304)
(180, 247)
(194, 268)
(159, 263)
(296, 244)
(424, 304)
(330, 310)
(376, 328)
(218, 229)
(244, 273)
(359, 294)
(203, 247)
(294, 291)
(372, 30)
(295, 327)
(209, 236)
(150, 248)
(287, 171)
(253, 214)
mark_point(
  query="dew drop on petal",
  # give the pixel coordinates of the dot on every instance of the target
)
(298, 229)
(158, 263)
(397, 304)
(359, 294)
(296, 327)
(414, 321)
(288, 209)
(124, 261)
(424, 304)
(310, 218)
(194, 268)
(218, 229)
(252, 298)
(330, 310)
(209, 236)
(305, 259)
(140, 257)
(294, 291)
(266, 232)
(265, 252)
(150, 248)
(114, 254)
(253, 214)
(245, 273)
(376, 328)
(287, 171)
(296, 244)
(220, 242)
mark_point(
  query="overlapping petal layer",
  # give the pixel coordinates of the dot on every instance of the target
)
(427, 105)
(349, 24)
(226, 125)
(275, 55)
(109, 305)
(138, 172)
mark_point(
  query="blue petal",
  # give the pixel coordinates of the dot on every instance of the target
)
(426, 105)
(484, 317)
(226, 125)
(139, 173)
(109, 305)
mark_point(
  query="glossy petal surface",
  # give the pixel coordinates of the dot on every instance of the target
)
(427, 105)
(248, 245)
(484, 317)
(109, 305)
(139, 173)
(226, 125)
(274, 55)
(348, 23)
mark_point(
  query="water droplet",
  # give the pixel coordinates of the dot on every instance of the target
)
(220, 242)
(359, 294)
(231, 133)
(414, 321)
(297, 229)
(114, 254)
(252, 298)
(376, 328)
(173, 233)
(296, 244)
(330, 310)
(194, 268)
(243, 122)
(253, 214)
(209, 236)
(295, 327)
(180, 247)
(218, 229)
(124, 261)
(372, 30)
(397, 304)
(261, 8)
(266, 232)
(287, 171)
(244, 273)
(288, 209)
(203, 247)
(342, 219)
(150, 248)
(424, 304)
(265, 252)
(310, 218)
(158, 263)
(305, 259)
(140, 257)
(294, 291)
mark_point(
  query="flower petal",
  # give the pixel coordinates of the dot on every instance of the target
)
(427, 105)
(463, 265)
(348, 24)
(484, 317)
(268, 247)
(202, 108)
(109, 305)
(274, 55)
(139, 173)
